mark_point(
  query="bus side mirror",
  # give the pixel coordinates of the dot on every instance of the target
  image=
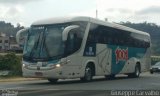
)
(67, 30)
(20, 36)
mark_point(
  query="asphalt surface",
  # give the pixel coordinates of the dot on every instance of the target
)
(74, 87)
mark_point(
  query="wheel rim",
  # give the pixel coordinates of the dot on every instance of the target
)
(137, 71)
(88, 74)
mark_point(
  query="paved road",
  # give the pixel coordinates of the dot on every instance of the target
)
(74, 87)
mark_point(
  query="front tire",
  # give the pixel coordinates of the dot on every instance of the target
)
(52, 80)
(88, 74)
(136, 73)
(151, 72)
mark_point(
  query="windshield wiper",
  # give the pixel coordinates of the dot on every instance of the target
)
(44, 44)
(35, 46)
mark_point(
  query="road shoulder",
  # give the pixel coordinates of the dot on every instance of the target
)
(14, 79)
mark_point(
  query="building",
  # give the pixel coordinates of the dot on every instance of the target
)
(13, 46)
(4, 42)
(8, 43)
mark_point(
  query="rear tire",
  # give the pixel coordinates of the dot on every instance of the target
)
(88, 74)
(52, 80)
(136, 73)
(151, 72)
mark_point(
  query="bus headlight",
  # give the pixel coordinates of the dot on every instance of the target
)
(58, 65)
(55, 66)
(24, 65)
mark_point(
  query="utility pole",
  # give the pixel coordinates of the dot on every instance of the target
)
(106, 19)
(96, 13)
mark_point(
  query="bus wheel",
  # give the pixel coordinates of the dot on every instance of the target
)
(136, 73)
(51, 80)
(88, 74)
(151, 72)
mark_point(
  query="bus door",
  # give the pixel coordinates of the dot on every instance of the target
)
(73, 58)
(104, 57)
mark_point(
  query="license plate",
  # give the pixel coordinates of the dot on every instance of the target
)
(38, 73)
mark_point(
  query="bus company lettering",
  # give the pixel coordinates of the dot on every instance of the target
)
(121, 54)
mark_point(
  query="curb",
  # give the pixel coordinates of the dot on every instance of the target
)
(18, 79)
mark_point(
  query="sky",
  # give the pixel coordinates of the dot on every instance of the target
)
(26, 12)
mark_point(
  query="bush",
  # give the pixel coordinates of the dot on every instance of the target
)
(12, 63)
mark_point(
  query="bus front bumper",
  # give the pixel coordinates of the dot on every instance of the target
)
(52, 73)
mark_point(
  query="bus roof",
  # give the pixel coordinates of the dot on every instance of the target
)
(87, 19)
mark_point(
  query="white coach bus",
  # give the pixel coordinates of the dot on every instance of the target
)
(83, 47)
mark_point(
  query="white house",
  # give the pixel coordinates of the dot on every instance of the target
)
(4, 42)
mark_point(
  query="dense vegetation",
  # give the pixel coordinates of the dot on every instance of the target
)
(9, 29)
(12, 63)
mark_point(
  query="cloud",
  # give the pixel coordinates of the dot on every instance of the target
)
(10, 11)
(14, 11)
(149, 10)
(121, 10)
(89, 13)
(16, 1)
(129, 10)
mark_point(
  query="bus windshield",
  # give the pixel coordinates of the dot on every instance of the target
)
(44, 42)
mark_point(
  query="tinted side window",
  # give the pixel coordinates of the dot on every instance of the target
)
(113, 36)
(75, 37)
(107, 35)
(74, 40)
(93, 34)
